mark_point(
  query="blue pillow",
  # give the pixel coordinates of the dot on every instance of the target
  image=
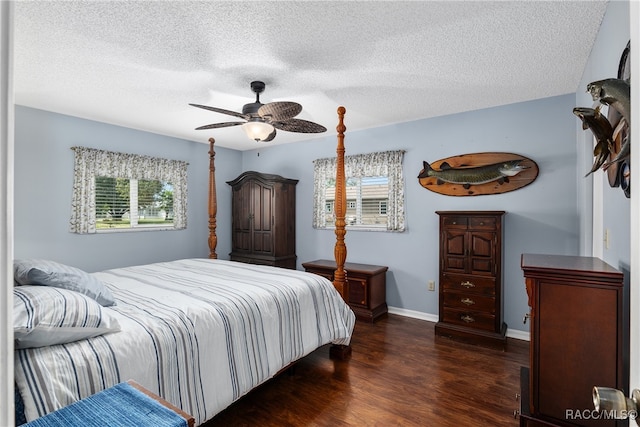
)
(51, 273)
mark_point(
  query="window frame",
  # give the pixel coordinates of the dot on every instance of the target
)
(387, 163)
(133, 208)
(90, 163)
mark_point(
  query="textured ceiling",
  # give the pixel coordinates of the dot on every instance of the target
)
(139, 64)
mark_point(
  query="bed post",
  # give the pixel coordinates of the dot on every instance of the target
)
(336, 351)
(340, 250)
(213, 203)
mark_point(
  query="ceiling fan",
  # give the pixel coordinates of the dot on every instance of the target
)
(262, 120)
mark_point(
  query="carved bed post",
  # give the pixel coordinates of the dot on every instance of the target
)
(340, 250)
(213, 203)
(341, 352)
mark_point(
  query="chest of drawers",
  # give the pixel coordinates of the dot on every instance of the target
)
(470, 296)
(577, 339)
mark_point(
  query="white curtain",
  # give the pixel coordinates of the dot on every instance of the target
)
(90, 163)
(386, 163)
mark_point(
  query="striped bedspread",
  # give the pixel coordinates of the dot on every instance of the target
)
(200, 333)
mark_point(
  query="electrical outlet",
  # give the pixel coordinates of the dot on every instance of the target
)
(432, 285)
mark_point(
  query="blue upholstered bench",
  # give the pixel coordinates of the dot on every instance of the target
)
(123, 405)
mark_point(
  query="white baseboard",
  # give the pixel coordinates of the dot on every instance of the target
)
(511, 333)
(415, 314)
(518, 334)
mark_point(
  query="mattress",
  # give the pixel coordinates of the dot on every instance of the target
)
(200, 333)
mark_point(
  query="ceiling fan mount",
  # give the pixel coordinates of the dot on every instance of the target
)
(272, 116)
(257, 87)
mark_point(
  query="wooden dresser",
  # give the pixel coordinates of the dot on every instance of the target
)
(470, 298)
(263, 219)
(367, 286)
(576, 339)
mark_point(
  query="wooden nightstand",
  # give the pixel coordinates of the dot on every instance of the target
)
(367, 286)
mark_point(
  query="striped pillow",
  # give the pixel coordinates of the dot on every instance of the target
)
(51, 273)
(44, 315)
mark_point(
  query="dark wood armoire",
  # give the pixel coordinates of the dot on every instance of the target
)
(263, 219)
(577, 339)
(470, 296)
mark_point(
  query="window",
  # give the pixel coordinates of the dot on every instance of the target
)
(117, 191)
(365, 196)
(131, 203)
(375, 192)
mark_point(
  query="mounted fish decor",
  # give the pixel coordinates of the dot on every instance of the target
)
(602, 131)
(611, 132)
(478, 174)
(616, 93)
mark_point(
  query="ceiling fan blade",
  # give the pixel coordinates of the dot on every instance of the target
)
(280, 110)
(270, 137)
(221, 111)
(299, 125)
(219, 125)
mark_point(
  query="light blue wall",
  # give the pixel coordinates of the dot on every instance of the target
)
(615, 207)
(603, 63)
(542, 217)
(44, 181)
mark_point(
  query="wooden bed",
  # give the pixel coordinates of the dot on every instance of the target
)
(168, 327)
(340, 251)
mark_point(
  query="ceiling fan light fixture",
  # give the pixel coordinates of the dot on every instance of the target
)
(261, 120)
(257, 130)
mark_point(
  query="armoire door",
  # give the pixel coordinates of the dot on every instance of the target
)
(262, 218)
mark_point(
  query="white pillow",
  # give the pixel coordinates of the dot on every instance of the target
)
(51, 273)
(44, 315)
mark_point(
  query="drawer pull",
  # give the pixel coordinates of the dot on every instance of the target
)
(467, 319)
(467, 301)
(467, 284)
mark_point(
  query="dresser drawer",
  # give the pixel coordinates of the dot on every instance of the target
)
(483, 223)
(470, 318)
(455, 221)
(469, 301)
(468, 284)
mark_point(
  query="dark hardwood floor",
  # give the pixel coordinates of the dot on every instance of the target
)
(400, 374)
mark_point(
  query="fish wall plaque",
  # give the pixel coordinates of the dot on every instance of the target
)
(611, 132)
(478, 174)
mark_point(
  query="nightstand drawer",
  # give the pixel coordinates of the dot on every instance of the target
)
(357, 291)
(468, 301)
